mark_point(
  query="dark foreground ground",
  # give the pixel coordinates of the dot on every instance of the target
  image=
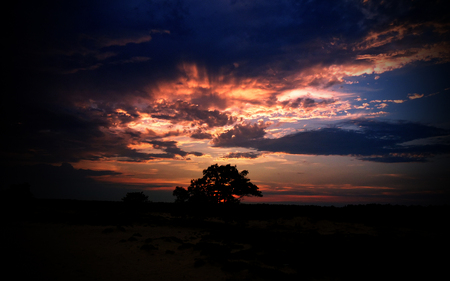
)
(84, 240)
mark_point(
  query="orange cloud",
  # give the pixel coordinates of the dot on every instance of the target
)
(415, 96)
(127, 39)
(379, 38)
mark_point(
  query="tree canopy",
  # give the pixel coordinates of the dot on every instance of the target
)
(135, 198)
(219, 184)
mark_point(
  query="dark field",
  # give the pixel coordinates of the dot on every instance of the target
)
(88, 240)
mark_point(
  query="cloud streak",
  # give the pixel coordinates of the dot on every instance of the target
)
(245, 155)
(370, 140)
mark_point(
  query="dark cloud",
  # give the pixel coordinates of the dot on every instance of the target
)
(64, 181)
(205, 99)
(115, 114)
(66, 54)
(241, 135)
(305, 103)
(327, 141)
(179, 111)
(199, 134)
(50, 135)
(373, 141)
(84, 51)
(92, 173)
(41, 135)
(171, 149)
(248, 155)
(396, 132)
(151, 134)
(63, 37)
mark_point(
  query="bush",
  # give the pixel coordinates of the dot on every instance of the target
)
(135, 198)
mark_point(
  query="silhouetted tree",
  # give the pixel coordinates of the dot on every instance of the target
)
(181, 194)
(219, 184)
(135, 198)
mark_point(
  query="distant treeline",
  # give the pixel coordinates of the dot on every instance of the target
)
(112, 212)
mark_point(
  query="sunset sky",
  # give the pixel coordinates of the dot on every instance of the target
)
(323, 102)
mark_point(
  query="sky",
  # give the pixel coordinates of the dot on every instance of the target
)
(323, 102)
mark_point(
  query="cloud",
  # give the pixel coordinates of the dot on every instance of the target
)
(199, 134)
(327, 141)
(415, 96)
(240, 135)
(246, 155)
(65, 135)
(92, 173)
(64, 181)
(205, 99)
(68, 168)
(271, 57)
(171, 149)
(305, 103)
(122, 41)
(132, 60)
(254, 66)
(370, 140)
(179, 111)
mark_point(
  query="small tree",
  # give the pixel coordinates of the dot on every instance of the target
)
(135, 198)
(219, 184)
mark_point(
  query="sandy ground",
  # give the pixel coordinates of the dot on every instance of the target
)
(170, 247)
(137, 252)
(80, 252)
